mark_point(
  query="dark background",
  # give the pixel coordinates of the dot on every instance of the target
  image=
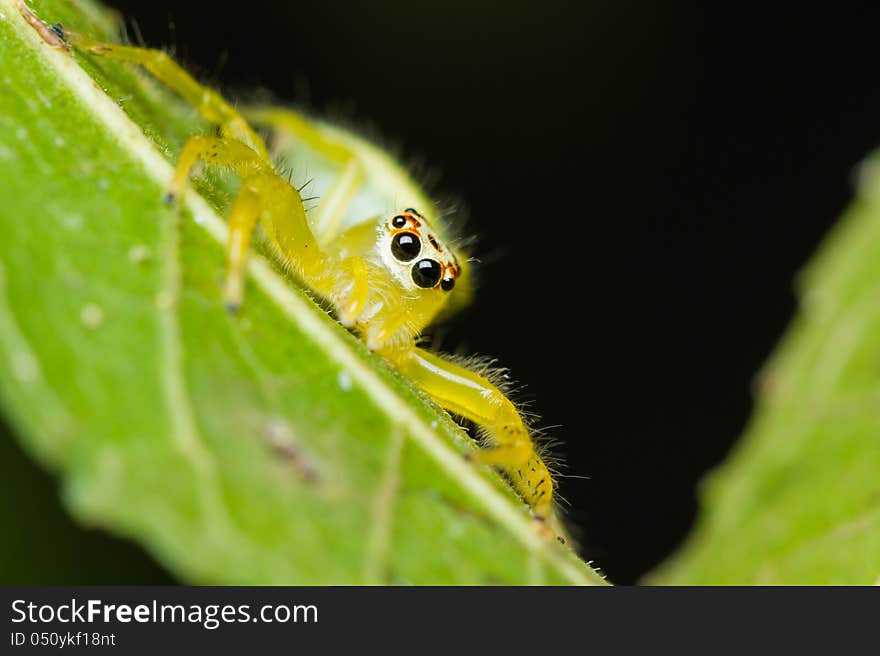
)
(645, 180)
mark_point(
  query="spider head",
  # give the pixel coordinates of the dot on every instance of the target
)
(414, 254)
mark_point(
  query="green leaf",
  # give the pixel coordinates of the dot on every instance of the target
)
(798, 501)
(265, 448)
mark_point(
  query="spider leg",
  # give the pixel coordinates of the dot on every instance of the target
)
(470, 395)
(267, 198)
(277, 205)
(210, 104)
(336, 199)
(217, 151)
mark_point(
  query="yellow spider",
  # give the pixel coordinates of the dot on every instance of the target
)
(387, 277)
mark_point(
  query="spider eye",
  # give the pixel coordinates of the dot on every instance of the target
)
(426, 273)
(398, 221)
(405, 246)
(447, 284)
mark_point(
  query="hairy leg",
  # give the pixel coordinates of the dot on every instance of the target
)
(335, 200)
(216, 151)
(278, 207)
(210, 104)
(470, 395)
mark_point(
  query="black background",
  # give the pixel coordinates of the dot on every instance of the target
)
(645, 179)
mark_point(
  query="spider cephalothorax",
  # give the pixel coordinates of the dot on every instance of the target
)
(415, 255)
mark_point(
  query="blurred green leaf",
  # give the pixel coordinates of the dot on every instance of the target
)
(798, 501)
(265, 448)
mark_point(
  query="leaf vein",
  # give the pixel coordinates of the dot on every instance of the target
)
(382, 519)
(184, 430)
